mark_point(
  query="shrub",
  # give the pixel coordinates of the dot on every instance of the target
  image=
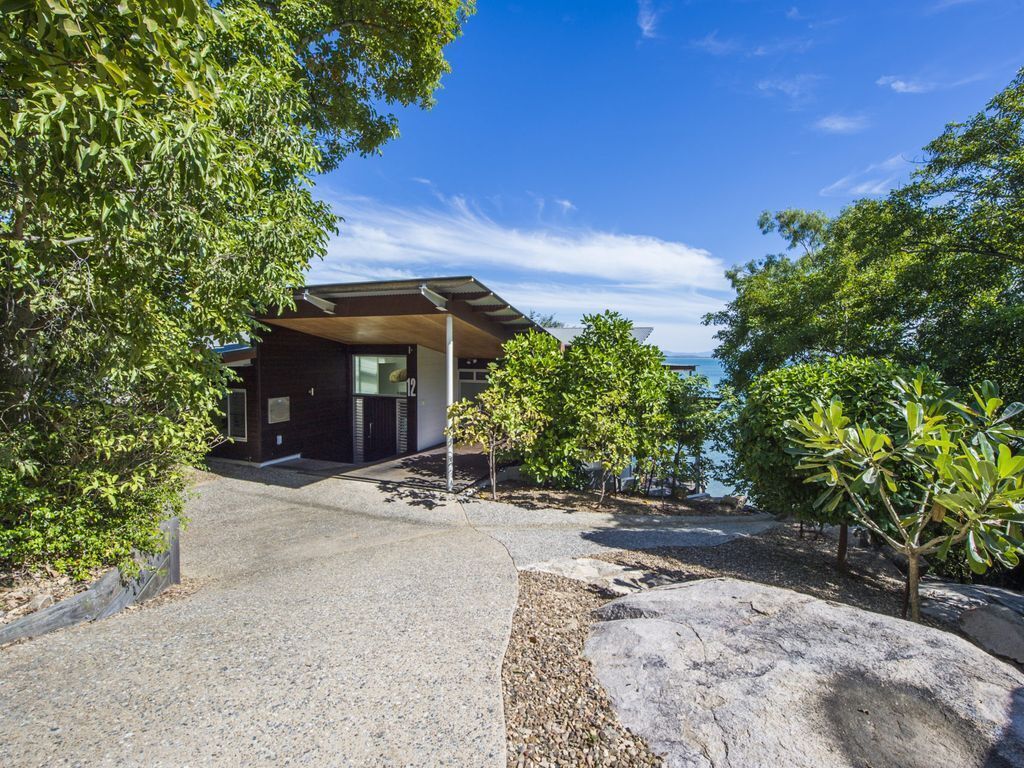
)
(765, 464)
(507, 417)
(607, 406)
(945, 476)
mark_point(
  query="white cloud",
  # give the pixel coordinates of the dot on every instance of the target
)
(715, 45)
(797, 88)
(567, 271)
(876, 179)
(842, 123)
(565, 205)
(458, 233)
(905, 85)
(721, 46)
(647, 18)
(794, 14)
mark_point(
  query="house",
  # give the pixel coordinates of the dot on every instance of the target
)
(359, 372)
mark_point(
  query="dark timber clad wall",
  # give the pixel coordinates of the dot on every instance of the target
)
(290, 364)
(250, 449)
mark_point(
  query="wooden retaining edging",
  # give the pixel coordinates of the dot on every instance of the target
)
(107, 596)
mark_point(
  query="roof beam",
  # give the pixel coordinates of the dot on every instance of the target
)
(435, 298)
(322, 304)
(468, 314)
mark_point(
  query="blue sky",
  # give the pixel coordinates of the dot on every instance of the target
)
(616, 154)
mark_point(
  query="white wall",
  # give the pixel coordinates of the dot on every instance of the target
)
(430, 398)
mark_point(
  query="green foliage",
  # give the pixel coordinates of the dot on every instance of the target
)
(948, 476)
(921, 277)
(359, 56)
(762, 441)
(508, 416)
(155, 185)
(696, 419)
(608, 406)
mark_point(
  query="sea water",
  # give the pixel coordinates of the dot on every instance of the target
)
(712, 368)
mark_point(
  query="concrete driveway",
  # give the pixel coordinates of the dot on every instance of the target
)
(338, 623)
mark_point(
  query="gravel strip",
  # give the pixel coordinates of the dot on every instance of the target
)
(556, 712)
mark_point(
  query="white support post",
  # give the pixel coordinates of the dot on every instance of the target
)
(449, 361)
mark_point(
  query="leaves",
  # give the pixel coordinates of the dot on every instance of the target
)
(950, 478)
(157, 163)
(929, 275)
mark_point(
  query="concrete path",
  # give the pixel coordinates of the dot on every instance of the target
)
(338, 623)
(541, 535)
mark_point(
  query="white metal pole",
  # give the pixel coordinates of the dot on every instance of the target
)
(449, 359)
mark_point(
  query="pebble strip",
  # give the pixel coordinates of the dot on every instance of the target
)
(556, 712)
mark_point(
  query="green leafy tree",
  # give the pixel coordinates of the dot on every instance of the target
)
(610, 409)
(156, 165)
(948, 477)
(500, 423)
(509, 415)
(695, 420)
(920, 277)
(763, 460)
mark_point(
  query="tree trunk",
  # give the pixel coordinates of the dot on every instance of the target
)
(604, 485)
(913, 580)
(844, 537)
(494, 473)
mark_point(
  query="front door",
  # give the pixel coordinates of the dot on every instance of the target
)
(380, 434)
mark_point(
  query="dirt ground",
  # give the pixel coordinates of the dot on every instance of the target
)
(531, 497)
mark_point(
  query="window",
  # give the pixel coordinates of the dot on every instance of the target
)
(380, 374)
(232, 419)
(472, 382)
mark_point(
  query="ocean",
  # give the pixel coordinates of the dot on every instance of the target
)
(706, 366)
(712, 368)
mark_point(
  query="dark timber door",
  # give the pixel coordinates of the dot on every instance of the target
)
(380, 435)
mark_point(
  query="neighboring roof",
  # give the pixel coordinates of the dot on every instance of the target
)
(566, 335)
(477, 295)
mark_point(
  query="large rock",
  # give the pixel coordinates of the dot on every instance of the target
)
(992, 617)
(611, 578)
(723, 672)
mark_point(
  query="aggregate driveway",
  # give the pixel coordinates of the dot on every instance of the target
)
(337, 623)
(535, 536)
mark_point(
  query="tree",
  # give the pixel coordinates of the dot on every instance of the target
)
(156, 165)
(544, 320)
(499, 423)
(949, 477)
(761, 438)
(695, 419)
(919, 277)
(359, 57)
(610, 409)
(509, 415)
